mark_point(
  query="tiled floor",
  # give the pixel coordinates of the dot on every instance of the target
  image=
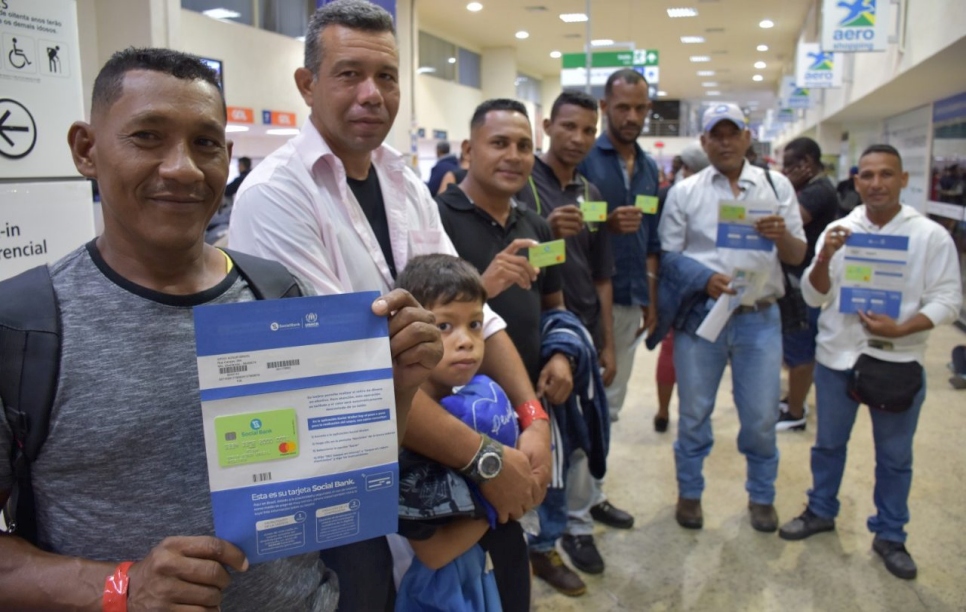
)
(728, 566)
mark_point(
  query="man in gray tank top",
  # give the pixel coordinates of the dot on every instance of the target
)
(122, 476)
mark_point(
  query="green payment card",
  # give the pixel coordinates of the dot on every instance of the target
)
(254, 437)
(548, 253)
(647, 204)
(731, 213)
(594, 211)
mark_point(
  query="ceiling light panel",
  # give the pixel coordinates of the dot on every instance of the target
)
(474, 7)
(692, 40)
(705, 72)
(602, 42)
(760, 65)
(522, 34)
(700, 58)
(675, 13)
(221, 13)
(762, 47)
(573, 17)
(766, 23)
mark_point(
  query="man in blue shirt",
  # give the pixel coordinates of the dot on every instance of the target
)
(623, 172)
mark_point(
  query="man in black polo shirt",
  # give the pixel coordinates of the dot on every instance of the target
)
(556, 190)
(490, 231)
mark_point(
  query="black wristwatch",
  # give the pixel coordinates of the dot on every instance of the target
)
(487, 463)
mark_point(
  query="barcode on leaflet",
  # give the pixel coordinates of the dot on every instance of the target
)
(261, 477)
(274, 365)
(233, 369)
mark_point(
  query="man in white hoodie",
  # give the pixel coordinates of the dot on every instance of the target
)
(874, 331)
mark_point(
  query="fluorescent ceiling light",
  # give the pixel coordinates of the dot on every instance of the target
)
(602, 42)
(705, 72)
(760, 65)
(709, 84)
(757, 77)
(236, 128)
(712, 93)
(700, 58)
(762, 47)
(473, 7)
(283, 131)
(766, 23)
(451, 60)
(674, 13)
(573, 17)
(425, 70)
(221, 13)
(661, 93)
(692, 40)
(555, 54)
(300, 38)
(522, 34)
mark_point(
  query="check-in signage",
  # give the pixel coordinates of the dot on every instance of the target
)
(240, 114)
(604, 63)
(40, 87)
(279, 118)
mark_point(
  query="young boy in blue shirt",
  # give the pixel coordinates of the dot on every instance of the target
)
(442, 514)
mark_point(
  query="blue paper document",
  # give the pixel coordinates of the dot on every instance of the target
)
(874, 274)
(736, 224)
(300, 423)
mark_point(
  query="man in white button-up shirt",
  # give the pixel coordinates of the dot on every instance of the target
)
(930, 294)
(344, 211)
(751, 339)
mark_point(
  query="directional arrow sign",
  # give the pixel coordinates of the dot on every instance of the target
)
(18, 132)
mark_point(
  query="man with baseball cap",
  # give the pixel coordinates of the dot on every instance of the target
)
(740, 258)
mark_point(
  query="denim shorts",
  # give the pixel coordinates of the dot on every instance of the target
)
(798, 347)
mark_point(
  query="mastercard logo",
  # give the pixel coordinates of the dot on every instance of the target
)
(287, 448)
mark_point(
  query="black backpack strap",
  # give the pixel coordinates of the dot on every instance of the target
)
(772, 183)
(29, 367)
(268, 280)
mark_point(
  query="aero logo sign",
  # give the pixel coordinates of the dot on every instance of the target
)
(816, 68)
(854, 25)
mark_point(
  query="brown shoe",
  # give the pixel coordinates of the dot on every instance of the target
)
(688, 513)
(763, 517)
(550, 567)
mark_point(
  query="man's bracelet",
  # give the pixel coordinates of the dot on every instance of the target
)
(115, 589)
(530, 411)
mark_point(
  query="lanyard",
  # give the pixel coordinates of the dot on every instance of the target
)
(536, 196)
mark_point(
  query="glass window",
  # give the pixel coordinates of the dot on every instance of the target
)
(528, 88)
(468, 66)
(436, 57)
(288, 17)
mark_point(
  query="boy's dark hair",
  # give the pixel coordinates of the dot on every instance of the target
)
(437, 280)
(496, 104)
(574, 98)
(883, 148)
(628, 75)
(109, 84)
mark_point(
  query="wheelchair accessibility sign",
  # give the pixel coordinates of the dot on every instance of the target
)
(19, 53)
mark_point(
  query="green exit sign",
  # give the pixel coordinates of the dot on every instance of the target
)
(612, 59)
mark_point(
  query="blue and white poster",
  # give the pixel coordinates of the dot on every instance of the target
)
(855, 25)
(873, 274)
(300, 423)
(817, 69)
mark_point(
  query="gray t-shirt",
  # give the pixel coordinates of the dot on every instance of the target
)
(124, 464)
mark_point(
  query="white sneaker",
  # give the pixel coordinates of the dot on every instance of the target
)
(787, 422)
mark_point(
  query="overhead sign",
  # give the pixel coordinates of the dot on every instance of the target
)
(240, 114)
(855, 25)
(785, 115)
(40, 88)
(817, 69)
(281, 118)
(793, 96)
(605, 63)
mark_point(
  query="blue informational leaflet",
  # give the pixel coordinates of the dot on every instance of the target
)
(873, 274)
(300, 422)
(736, 224)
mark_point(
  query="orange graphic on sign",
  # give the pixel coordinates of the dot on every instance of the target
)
(240, 114)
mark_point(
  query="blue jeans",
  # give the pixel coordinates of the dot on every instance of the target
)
(753, 344)
(553, 520)
(892, 434)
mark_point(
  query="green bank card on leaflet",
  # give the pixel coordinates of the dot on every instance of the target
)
(254, 437)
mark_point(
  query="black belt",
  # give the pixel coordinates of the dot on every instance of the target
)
(756, 307)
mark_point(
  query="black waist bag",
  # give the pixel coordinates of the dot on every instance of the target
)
(885, 385)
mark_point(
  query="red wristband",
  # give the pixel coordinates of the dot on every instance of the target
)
(115, 589)
(530, 411)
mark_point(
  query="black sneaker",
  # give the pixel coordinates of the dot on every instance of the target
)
(787, 422)
(612, 516)
(583, 553)
(897, 559)
(805, 525)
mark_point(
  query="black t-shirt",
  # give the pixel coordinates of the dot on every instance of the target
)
(478, 238)
(589, 254)
(821, 200)
(369, 195)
